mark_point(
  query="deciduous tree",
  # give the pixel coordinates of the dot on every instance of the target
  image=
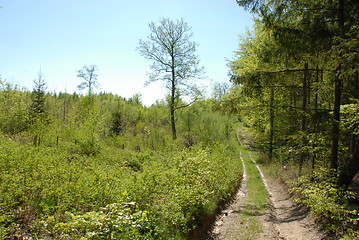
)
(89, 75)
(174, 58)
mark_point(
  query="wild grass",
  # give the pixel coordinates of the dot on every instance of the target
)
(255, 203)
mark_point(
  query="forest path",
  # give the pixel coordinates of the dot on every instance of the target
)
(279, 218)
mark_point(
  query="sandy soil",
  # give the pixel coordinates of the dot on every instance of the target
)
(282, 219)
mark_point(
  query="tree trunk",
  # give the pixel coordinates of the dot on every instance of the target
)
(337, 97)
(336, 119)
(351, 167)
(173, 97)
(355, 89)
(315, 113)
(173, 122)
(341, 16)
(303, 126)
(271, 130)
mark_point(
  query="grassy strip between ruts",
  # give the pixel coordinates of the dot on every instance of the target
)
(255, 202)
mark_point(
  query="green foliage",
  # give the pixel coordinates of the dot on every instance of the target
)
(186, 186)
(84, 175)
(14, 105)
(299, 58)
(38, 96)
(115, 221)
(351, 117)
(200, 124)
(328, 201)
(41, 186)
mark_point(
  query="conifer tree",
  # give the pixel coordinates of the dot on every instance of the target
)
(38, 115)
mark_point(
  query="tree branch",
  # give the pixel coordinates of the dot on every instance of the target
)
(187, 105)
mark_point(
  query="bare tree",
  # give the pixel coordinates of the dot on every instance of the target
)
(219, 90)
(89, 74)
(174, 60)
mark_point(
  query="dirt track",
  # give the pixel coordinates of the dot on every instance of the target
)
(282, 218)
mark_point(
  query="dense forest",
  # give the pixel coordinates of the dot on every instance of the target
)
(99, 166)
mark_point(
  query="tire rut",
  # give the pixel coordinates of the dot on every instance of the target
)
(285, 219)
(281, 219)
(223, 228)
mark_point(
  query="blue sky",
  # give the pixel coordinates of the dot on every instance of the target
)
(61, 36)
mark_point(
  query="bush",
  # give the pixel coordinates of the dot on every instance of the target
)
(84, 182)
(327, 201)
(115, 221)
(56, 193)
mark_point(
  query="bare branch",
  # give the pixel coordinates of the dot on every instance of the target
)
(187, 105)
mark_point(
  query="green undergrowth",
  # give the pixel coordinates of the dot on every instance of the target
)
(53, 192)
(329, 203)
(104, 167)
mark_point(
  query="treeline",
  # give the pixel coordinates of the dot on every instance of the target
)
(103, 167)
(297, 86)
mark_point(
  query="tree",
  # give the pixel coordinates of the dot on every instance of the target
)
(135, 99)
(14, 108)
(37, 111)
(38, 95)
(174, 60)
(219, 90)
(89, 74)
(323, 34)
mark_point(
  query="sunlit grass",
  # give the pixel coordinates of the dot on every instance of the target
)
(255, 203)
(257, 194)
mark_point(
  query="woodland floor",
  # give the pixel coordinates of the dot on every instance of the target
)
(281, 218)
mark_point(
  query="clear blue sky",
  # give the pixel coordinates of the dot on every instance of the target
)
(61, 36)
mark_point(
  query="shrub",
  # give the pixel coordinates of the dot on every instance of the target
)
(328, 201)
(115, 221)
